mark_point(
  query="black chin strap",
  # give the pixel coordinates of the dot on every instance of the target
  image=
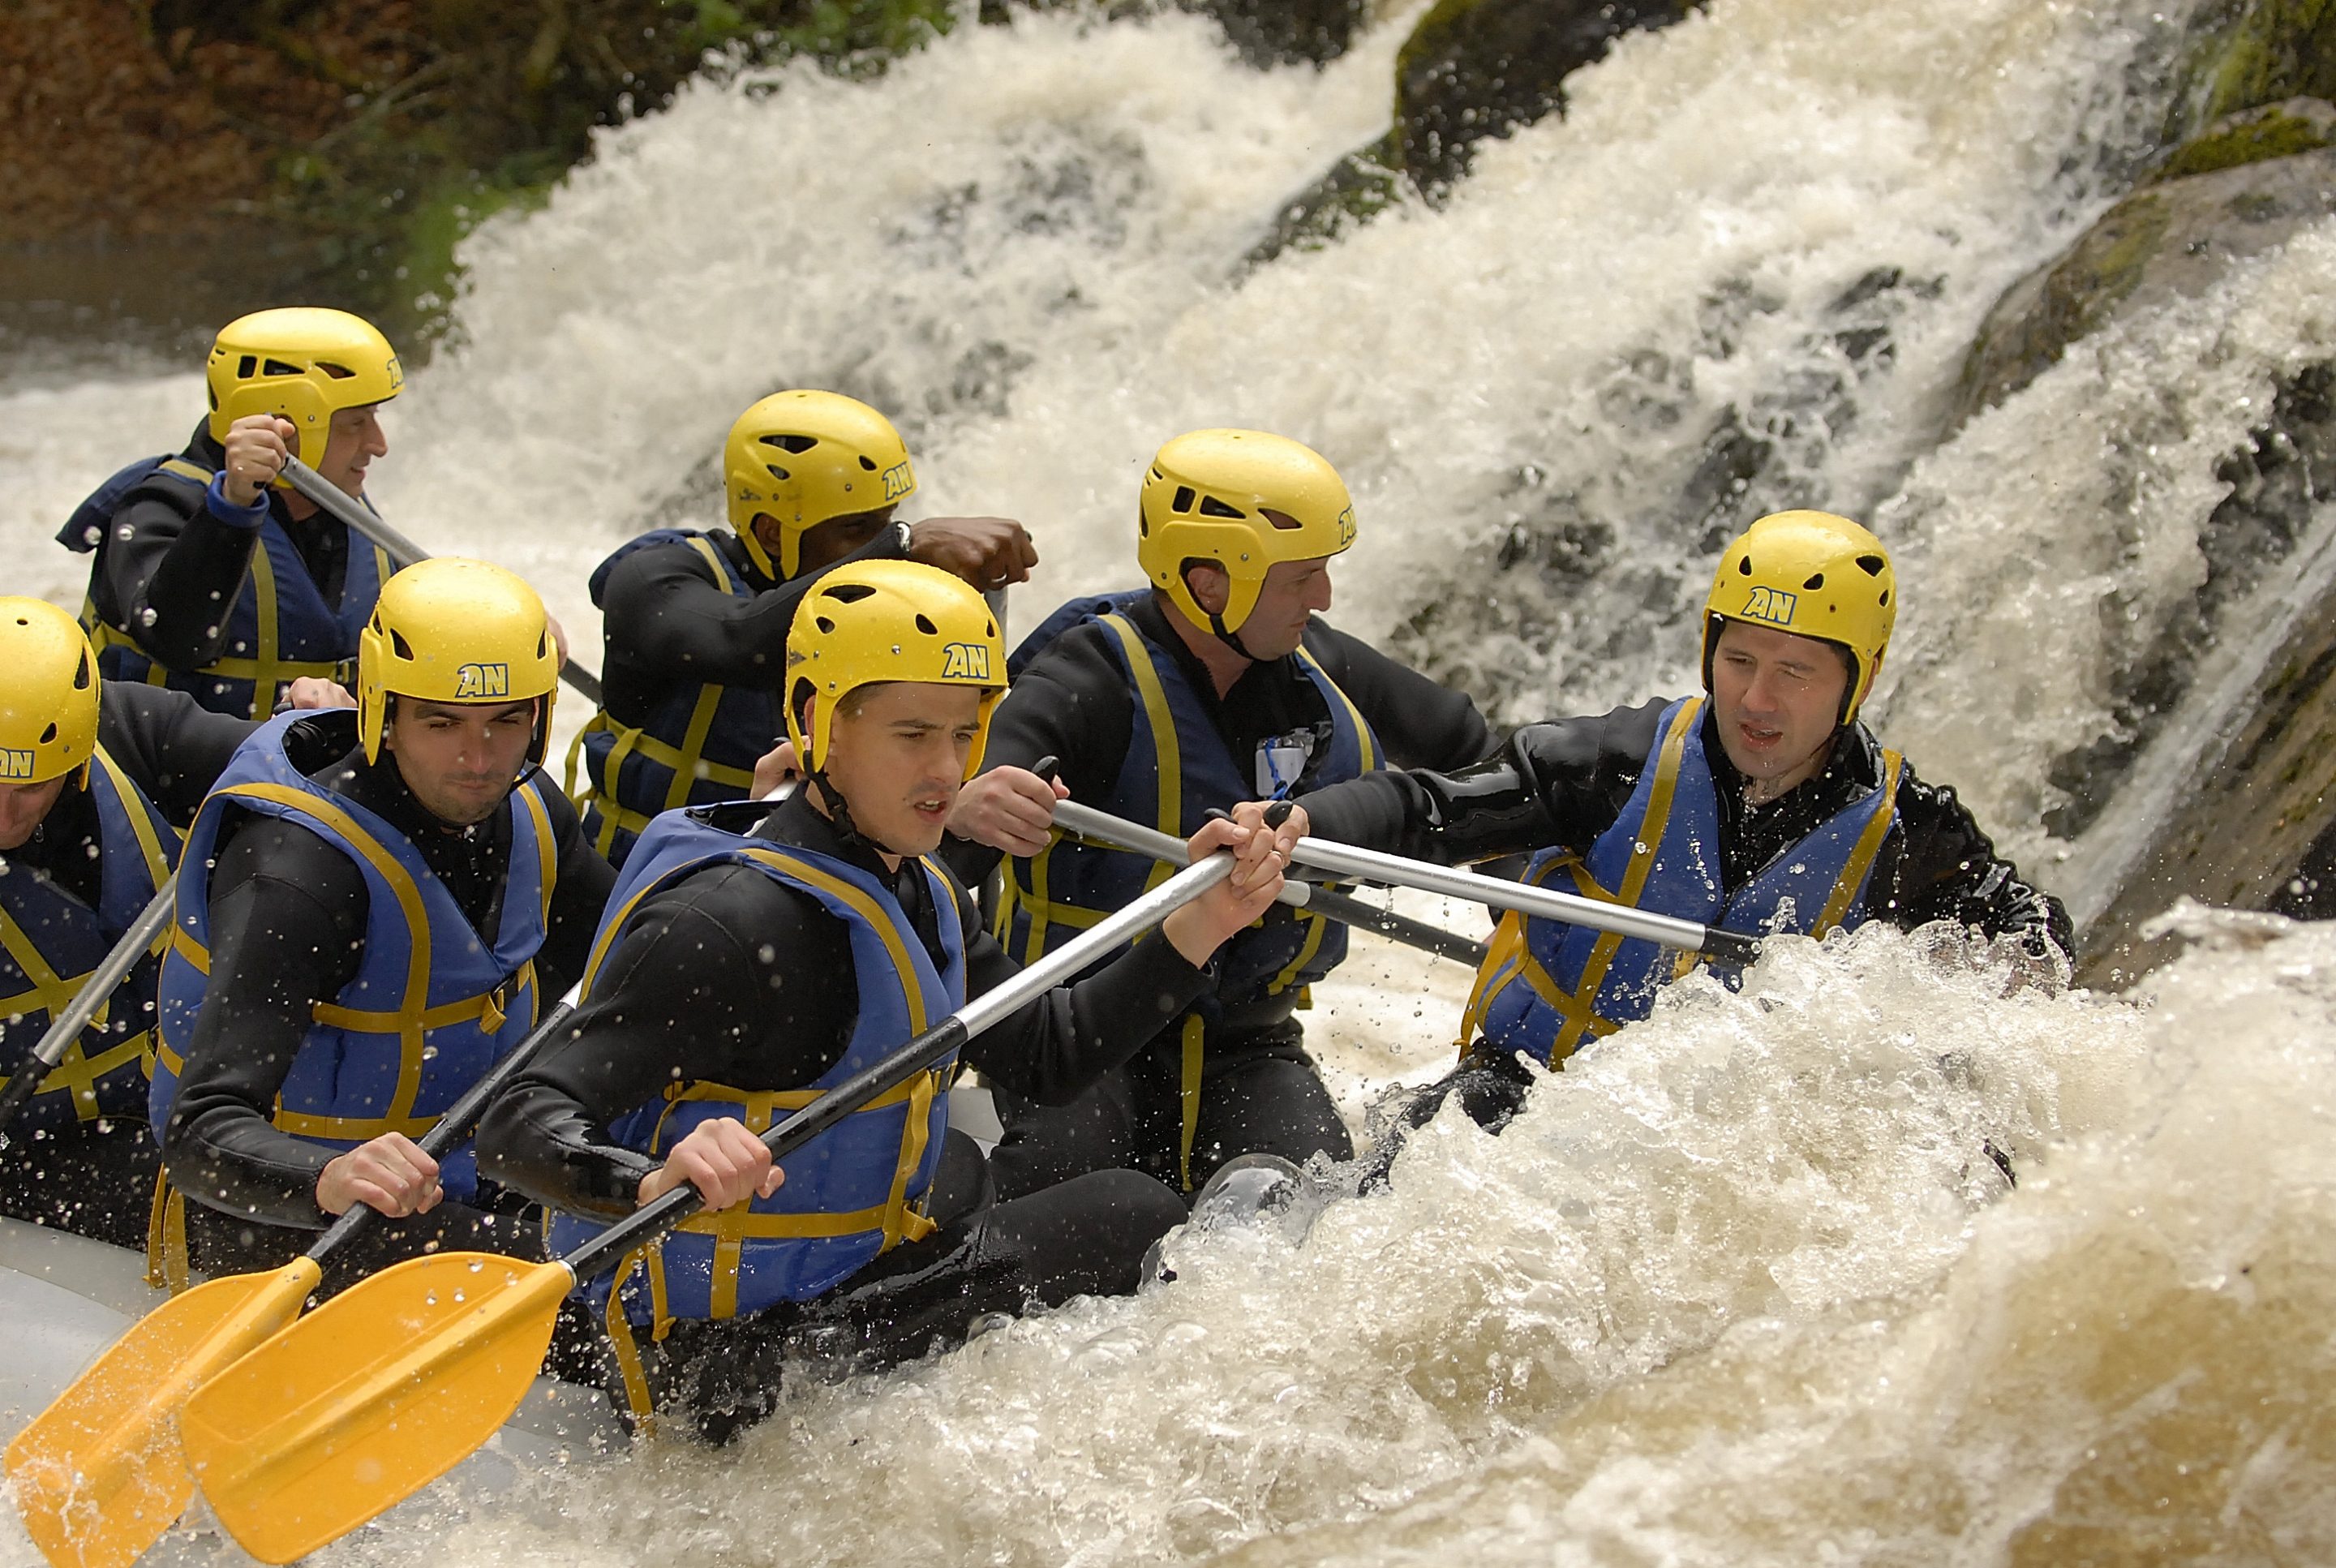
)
(840, 814)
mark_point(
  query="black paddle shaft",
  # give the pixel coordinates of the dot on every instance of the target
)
(451, 1127)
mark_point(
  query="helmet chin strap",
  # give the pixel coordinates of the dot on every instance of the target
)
(839, 814)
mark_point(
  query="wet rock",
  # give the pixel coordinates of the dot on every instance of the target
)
(1479, 68)
(1286, 32)
(1360, 186)
(2174, 238)
(2252, 52)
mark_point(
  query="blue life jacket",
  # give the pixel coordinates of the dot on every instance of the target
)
(279, 628)
(1178, 768)
(52, 941)
(858, 1189)
(697, 747)
(432, 1007)
(1545, 986)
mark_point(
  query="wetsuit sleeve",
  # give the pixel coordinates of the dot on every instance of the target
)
(287, 921)
(1558, 784)
(1052, 1049)
(182, 572)
(726, 978)
(578, 895)
(173, 748)
(1419, 723)
(1945, 868)
(662, 607)
(1072, 705)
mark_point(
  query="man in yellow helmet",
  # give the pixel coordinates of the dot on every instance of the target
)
(696, 624)
(375, 903)
(1215, 683)
(96, 780)
(752, 957)
(211, 575)
(1763, 805)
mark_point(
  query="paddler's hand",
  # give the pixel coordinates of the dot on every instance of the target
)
(258, 446)
(725, 1163)
(313, 691)
(1201, 927)
(1008, 808)
(1278, 837)
(390, 1173)
(775, 767)
(986, 551)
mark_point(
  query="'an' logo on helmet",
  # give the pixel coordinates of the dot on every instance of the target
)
(15, 764)
(396, 377)
(898, 480)
(966, 661)
(473, 681)
(1770, 605)
(1346, 527)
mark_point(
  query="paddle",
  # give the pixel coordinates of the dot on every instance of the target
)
(390, 1384)
(99, 1474)
(323, 493)
(1353, 861)
(67, 1025)
(1101, 826)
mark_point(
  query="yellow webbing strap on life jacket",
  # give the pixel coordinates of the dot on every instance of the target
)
(1188, 1094)
(619, 1326)
(1869, 845)
(687, 762)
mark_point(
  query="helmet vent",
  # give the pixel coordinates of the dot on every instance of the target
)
(798, 445)
(1212, 507)
(1280, 519)
(214, 398)
(1744, 567)
(337, 371)
(989, 628)
(826, 626)
(81, 676)
(278, 367)
(49, 734)
(543, 643)
(775, 471)
(848, 592)
(399, 646)
(244, 366)
(1183, 501)
(1816, 581)
(926, 626)
(1871, 565)
(1885, 596)
(867, 462)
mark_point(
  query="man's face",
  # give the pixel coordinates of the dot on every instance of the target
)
(461, 758)
(825, 543)
(897, 755)
(23, 807)
(355, 441)
(1776, 698)
(1293, 591)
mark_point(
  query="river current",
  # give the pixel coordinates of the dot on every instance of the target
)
(1743, 1285)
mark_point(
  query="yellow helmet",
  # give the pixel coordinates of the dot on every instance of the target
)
(1814, 575)
(303, 363)
(874, 622)
(1244, 500)
(48, 704)
(452, 630)
(805, 457)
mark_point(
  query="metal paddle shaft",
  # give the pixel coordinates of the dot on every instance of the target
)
(99, 1474)
(67, 1025)
(1665, 930)
(389, 1384)
(1102, 826)
(324, 494)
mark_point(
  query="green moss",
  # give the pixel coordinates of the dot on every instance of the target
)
(2271, 132)
(1360, 186)
(2277, 49)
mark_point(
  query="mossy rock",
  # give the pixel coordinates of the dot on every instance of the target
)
(2252, 136)
(2270, 50)
(1286, 32)
(1477, 68)
(1360, 186)
(2173, 240)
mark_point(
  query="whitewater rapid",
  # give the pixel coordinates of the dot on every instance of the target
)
(1742, 1286)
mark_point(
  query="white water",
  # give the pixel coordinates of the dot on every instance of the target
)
(1741, 1288)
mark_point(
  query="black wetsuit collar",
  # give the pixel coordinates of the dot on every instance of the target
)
(1751, 836)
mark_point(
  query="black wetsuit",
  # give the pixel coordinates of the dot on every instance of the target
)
(1259, 1090)
(288, 928)
(100, 1181)
(731, 978)
(1565, 783)
(170, 559)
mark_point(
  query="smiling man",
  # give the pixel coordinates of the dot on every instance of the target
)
(374, 905)
(752, 957)
(1764, 806)
(211, 575)
(1219, 682)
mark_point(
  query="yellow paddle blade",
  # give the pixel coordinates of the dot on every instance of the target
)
(372, 1396)
(99, 1474)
